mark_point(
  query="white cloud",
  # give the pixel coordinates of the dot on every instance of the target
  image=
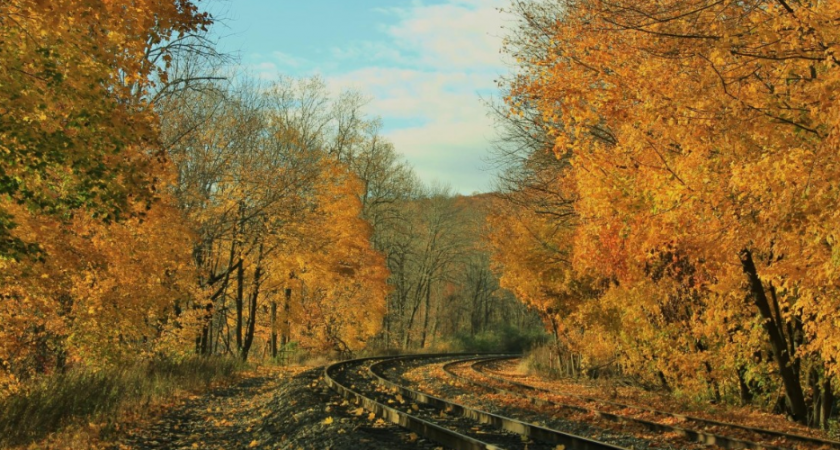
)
(430, 73)
(407, 93)
(289, 61)
(455, 35)
(437, 156)
(424, 79)
(369, 50)
(264, 70)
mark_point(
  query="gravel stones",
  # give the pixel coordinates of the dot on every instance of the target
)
(272, 409)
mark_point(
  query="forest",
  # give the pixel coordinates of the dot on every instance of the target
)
(666, 209)
(671, 195)
(156, 205)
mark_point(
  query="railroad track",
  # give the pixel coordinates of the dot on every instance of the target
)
(451, 424)
(693, 428)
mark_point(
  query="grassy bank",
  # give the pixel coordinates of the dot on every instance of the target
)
(83, 396)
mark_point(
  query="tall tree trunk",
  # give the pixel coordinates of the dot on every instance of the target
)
(826, 402)
(823, 398)
(252, 309)
(386, 326)
(240, 304)
(794, 396)
(436, 323)
(427, 314)
(487, 309)
(203, 341)
(744, 388)
(422, 284)
(477, 309)
(273, 325)
(285, 335)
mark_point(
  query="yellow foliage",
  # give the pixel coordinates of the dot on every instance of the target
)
(692, 132)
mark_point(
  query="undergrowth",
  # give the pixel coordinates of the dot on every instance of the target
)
(506, 339)
(88, 396)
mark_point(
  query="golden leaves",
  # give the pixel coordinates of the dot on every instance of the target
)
(687, 138)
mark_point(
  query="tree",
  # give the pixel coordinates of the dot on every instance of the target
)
(75, 125)
(264, 176)
(91, 247)
(700, 132)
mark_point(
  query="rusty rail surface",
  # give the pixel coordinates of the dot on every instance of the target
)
(444, 436)
(542, 434)
(705, 437)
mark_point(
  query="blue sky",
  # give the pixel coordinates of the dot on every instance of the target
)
(425, 65)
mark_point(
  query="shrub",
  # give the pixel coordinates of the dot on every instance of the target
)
(506, 339)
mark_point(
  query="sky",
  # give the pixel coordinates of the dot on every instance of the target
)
(426, 65)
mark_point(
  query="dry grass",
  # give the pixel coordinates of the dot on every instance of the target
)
(84, 396)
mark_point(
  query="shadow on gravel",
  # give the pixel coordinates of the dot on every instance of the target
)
(271, 411)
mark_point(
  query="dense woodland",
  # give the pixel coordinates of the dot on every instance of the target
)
(671, 198)
(158, 204)
(667, 204)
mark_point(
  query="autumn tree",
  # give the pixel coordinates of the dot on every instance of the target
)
(698, 136)
(264, 176)
(474, 305)
(92, 247)
(76, 126)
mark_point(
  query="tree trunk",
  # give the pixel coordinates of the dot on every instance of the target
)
(745, 391)
(794, 396)
(420, 285)
(823, 398)
(477, 309)
(252, 310)
(203, 341)
(240, 286)
(487, 310)
(273, 337)
(827, 402)
(436, 323)
(285, 336)
(428, 312)
(252, 306)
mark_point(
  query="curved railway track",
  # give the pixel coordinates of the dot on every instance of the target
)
(368, 383)
(694, 428)
(451, 424)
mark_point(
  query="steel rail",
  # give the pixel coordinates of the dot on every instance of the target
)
(427, 429)
(536, 432)
(721, 440)
(692, 435)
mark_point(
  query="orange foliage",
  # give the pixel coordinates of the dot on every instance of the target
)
(342, 280)
(75, 127)
(700, 137)
(94, 257)
(103, 293)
